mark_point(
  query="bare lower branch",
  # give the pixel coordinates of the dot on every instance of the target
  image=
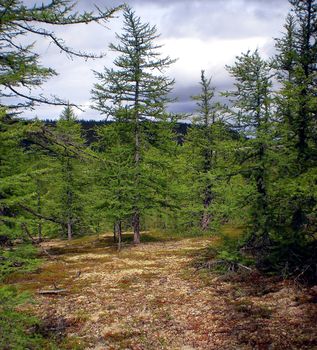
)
(56, 102)
(44, 217)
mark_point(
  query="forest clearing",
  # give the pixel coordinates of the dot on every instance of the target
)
(153, 296)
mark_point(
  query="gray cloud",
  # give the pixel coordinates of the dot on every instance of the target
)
(210, 18)
(220, 29)
(183, 95)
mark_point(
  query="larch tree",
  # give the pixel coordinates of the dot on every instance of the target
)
(21, 73)
(251, 112)
(296, 65)
(294, 187)
(68, 130)
(199, 149)
(305, 47)
(70, 157)
(137, 85)
(115, 172)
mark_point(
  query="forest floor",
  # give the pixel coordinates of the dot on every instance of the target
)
(152, 297)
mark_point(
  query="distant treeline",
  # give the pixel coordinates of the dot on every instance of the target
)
(89, 128)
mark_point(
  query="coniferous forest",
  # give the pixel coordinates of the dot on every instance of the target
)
(229, 192)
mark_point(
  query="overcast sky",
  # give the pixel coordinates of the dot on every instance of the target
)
(201, 34)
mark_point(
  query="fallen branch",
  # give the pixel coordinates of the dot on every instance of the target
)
(208, 264)
(245, 267)
(52, 291)
(232, 266)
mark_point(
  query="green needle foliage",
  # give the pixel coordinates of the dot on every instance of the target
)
(115, 172)
(71, 176)
(137, 89)
(202, 154)
(294, 249)
(20, 75)
(252, 114)
(20, 70)
(14, 325)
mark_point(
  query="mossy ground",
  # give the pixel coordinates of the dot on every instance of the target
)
(151, 297)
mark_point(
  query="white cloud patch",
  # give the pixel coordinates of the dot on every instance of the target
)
(211, 55)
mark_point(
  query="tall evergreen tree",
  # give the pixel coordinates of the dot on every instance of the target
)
(296, 66)
(200, 150)
(137, 85)
(251, 109)
(67, 128)
(71, 180)
(294, 193)
(115, 172)
(20, 74)
(63, 156)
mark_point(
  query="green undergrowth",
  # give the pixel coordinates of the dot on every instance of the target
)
(19, 329)
(15, 326)
(225, 253)
(22, 258)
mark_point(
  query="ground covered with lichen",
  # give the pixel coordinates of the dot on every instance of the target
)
(151, 296)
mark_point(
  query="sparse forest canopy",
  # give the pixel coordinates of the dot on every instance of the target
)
(249, 164)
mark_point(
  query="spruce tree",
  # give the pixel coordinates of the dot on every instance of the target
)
(136, 85)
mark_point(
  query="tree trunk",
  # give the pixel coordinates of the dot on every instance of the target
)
(119, 231)
(69, 230)
(115, 232)
(206, 216)
(39, 231)
(136, 227)
(260, 225)
(137, 159)
(205, 221)
(208, 162)
(39, 210)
